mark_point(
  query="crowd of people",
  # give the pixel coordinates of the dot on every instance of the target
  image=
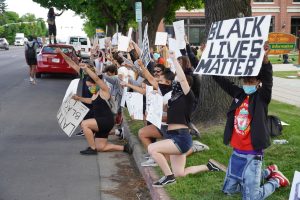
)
(110, 73)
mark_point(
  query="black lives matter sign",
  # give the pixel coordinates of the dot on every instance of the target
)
(235, 47)
(146, 58)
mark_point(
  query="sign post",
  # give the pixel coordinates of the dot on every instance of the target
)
(138, 18)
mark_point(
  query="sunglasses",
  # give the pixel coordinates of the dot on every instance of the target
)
(157, 71)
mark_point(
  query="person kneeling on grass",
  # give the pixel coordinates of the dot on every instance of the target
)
(103, 120)
(247, 133)
(178, 139)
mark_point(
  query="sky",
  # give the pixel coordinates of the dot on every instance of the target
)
(67, 23)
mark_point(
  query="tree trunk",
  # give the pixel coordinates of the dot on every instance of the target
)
(213, 102)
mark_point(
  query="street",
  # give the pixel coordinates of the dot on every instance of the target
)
(39, 161)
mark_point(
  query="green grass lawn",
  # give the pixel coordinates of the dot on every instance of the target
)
(284, 74)
(293, 59)
(208, 185)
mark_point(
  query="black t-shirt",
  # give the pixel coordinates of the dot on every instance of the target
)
(180, 110)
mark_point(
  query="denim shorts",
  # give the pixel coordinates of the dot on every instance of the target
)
(181, 138)
(163, 130)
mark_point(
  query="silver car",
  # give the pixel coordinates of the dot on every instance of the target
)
(4, 44)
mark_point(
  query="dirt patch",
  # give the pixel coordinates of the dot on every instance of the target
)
(131, 183)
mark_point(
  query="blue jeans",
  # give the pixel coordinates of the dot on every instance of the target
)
(248, 180)
(181, 138)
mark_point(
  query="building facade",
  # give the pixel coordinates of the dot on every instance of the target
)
(285, 18)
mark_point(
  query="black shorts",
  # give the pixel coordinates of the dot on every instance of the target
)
(32, 61)
(52, 29)
(105, 125)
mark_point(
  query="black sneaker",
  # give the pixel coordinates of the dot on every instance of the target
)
(127, 148)
(165, 180)
(80, 133)
(193, 130)
(214, 165)
(89, 151)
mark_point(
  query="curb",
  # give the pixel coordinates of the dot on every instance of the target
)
(148, 173)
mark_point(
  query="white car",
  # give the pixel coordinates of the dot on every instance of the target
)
(82, 44)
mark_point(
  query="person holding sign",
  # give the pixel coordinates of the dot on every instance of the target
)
(103, 120)
(178, 139)
(246, 131)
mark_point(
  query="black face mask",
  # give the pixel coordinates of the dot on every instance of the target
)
(164, 89)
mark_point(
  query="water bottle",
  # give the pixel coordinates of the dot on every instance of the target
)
(280, 142)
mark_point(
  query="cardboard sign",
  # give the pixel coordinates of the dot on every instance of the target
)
(295, 190)
(72, 88)
(161, 38)
(281, 43)
(123, 43)
(70, 114)
(179, 33)
(145, 56)
(102, 43)
(134, 103)
(173, 46)
(235, 47)
(155, 110)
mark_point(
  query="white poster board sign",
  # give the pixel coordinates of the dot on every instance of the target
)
(149, 89)
(295, 190)
(115, 38)
(102, 43)
(70, 114)
(235, 47)
(179, 33)
(72, 88)
(123, 100)
(129, 33)
(161, 38)
(173, 46)
(134, 102)
(123, 43)
(145, 56)
(155, 111)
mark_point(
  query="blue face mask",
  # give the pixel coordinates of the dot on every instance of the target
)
(249, 89)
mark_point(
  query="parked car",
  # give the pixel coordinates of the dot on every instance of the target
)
(81, 44)
(51, 62)
(4, 44)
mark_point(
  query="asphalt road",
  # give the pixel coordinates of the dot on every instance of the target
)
(37, 160)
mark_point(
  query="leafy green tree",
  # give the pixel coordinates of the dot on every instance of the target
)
(2, 6)
(122, 12)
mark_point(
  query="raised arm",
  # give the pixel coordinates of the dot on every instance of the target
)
(82, 99)
(180, 74)
(134, 87)
(69, 61)
(59, 14)
(95, 77)
(147, 75)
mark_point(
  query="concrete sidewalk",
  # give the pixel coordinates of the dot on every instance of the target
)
(284, 89)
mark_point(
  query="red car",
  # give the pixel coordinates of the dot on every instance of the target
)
(48, 61)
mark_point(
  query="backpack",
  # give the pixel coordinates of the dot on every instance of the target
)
(30, 52)
(50, 21)
(112, 102)
(274, 125)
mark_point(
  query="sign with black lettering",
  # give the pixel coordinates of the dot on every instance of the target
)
(235, 47)
(145, 50)
(70, 114)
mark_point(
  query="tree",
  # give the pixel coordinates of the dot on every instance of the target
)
(122, 12)
(2, 6)
(213, 101)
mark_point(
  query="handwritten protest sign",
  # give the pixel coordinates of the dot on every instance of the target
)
(295, 190)
(123, 43)
(155, 111)
(161, 38)
(70, 114)
(134, 102)
(173, 46)
(235, 47)
(145, 50)
(149, 89)
(179, 33)
(115, 38)
(72, 88)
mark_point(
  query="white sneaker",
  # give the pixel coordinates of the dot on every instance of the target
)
(149, 163)
(198, 146)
